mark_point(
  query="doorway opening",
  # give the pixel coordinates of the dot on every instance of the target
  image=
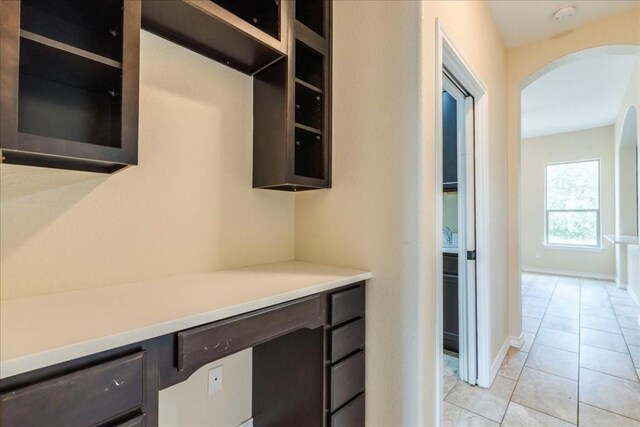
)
(458, 218)
(578, 228)
(466, 239)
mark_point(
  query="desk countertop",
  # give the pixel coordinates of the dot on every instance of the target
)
(44, 330)
(620, 239)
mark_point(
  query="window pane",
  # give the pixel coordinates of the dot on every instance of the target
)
(573, 185)
(572, 228)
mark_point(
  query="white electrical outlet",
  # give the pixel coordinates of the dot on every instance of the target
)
(215, 379)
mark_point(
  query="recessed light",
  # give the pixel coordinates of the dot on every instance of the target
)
(564, 13)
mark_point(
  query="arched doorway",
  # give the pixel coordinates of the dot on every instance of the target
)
(627, 198)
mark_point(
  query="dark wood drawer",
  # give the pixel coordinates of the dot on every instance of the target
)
(347, 339)
(138, 421)
(347, 380)
(352, 415)
(347, 305)
(83, 398)
(450, 264)
(204, 344)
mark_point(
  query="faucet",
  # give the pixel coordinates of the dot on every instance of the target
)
(448, 235)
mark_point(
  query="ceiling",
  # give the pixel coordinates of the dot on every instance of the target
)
(525, 21)
(583, 94)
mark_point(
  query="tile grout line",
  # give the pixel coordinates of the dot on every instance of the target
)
(611, 412)
(469, 410)
(579, 347)
(528, 354)
(615, 314)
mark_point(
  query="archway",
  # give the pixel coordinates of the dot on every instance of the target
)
(627, 194)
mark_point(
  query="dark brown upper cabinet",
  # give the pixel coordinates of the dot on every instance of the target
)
(292, 106)
(247, 35)
(69, 74)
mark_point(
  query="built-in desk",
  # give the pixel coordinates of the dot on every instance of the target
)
(100, 356)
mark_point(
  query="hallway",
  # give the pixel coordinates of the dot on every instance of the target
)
(580, 363)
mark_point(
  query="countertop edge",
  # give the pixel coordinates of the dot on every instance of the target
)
(20, 365)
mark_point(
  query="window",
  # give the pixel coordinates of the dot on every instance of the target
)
(573, 204)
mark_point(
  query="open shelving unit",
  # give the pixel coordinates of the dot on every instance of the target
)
(297, 155)
(72, 91)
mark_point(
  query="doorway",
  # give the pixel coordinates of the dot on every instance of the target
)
(458, 219)
(476, 366)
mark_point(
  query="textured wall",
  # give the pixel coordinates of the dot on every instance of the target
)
(379, 214)
(187, 207)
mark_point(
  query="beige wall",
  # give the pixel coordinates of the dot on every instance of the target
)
(189, 404)
(527, 62)
(566, 147)
(380, 215)
(187, 207)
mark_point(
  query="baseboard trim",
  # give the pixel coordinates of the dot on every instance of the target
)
(596, 276)
(517, 342)
(248, 423)
(634, 296)
(497, 362)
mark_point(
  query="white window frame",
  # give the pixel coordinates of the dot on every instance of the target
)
(598, 244)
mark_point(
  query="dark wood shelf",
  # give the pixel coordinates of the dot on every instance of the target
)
(70, 84)
(308, 128)
(308, 85)
(213, 30)
(69, 49)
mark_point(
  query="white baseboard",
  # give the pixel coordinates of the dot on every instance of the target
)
(634, 296)
(248, 423)
(495, 366)
(517, 342)
(554, 272)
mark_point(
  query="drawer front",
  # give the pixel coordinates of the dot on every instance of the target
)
(352, 415)
(347, 380)
(450, 264)
(86, 397)
(204, 344)
(134, 422)
(347, 339)
(347, 305)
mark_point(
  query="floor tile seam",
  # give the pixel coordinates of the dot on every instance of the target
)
(474, 413)
(605, 348)
(606, 410)
(608, 374)
(625, 339)
(542, 412)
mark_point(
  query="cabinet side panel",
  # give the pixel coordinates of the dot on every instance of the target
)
(130, 82)
(269, 125)
(9, 65)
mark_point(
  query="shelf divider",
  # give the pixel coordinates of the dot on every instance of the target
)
(308, 85)
(308, 128)
(68, 48)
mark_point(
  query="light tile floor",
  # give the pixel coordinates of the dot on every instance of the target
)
(580, 364)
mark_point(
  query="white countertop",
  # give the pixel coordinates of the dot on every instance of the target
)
(44, 330)
(619, 239)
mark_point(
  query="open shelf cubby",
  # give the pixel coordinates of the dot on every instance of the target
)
(309, 107)
(262, 14)
(68, 96)
(309, 65)
(309, 158)
(311, 14)
(93, 26)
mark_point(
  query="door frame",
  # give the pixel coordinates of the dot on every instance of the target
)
(450, 57)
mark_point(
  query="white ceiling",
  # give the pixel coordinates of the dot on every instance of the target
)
(525, 21)
(582, 94)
